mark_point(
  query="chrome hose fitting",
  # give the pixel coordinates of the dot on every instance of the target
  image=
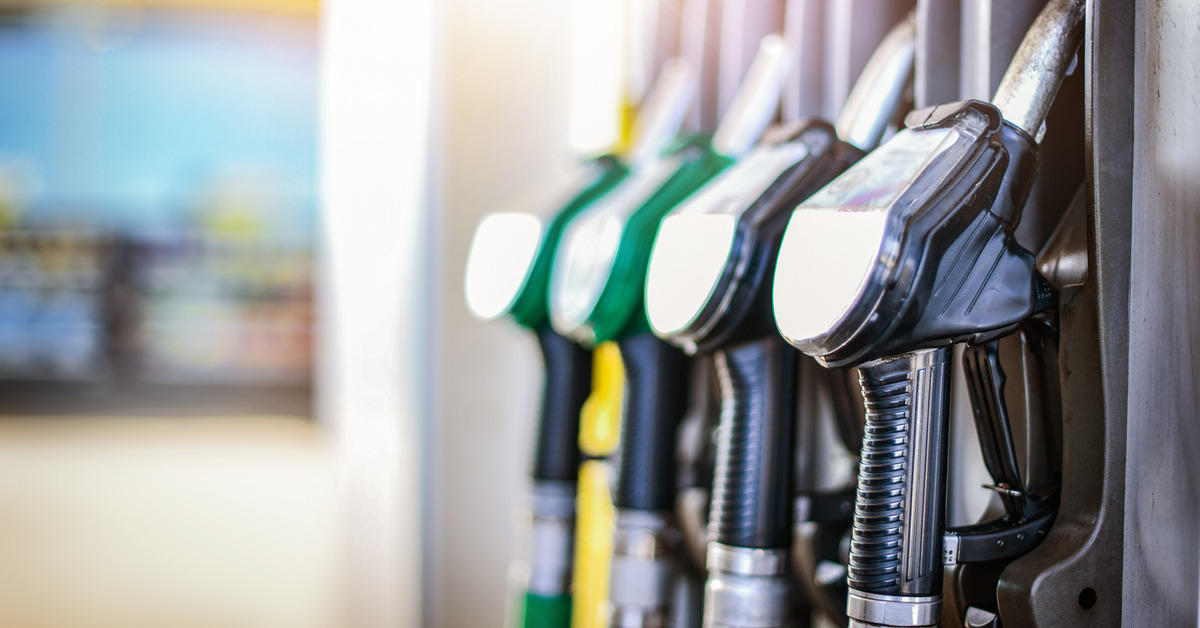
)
(746, 588)
(553, 540)
(640, 582)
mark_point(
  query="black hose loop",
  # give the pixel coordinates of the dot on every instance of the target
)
(752, 483)
(656, 387)
(567, 385)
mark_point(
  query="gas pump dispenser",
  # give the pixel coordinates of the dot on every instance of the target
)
(905, 254)
(708, 291)
(507, 276)
(597, 295)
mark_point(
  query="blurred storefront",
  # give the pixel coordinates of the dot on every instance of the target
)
(157, 206)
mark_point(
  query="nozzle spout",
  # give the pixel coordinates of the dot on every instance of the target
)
(756, 101)
(877, 93)
(1032, 80)
(662, 116)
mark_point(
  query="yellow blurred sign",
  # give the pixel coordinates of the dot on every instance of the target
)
(297, 8)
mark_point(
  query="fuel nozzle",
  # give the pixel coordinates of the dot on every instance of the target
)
(1047, 54)
(916, 239)
(508, 272)
(906, 253)
(711, 268)
(880, 88)
(597, 295)
(708, 290)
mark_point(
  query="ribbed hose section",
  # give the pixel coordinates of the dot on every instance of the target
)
(656, 385)
(752, 483)
(879, 506)
(899, 511)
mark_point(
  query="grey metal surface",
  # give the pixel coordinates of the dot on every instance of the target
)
(1082, 553)
(743, 25)
(1162, 502)
(552, 539)
(1029, 85)
(635, 617)
(1002, 25)
(804, 29)
(756, 103)
(892, 611)
(666, 16)
(922, 534)
(746, 588)
(640, 581)
(736, 601)
(746, 561)
(687, 601)
(1063, 261)
(699, 34)
(853, 28)
(937, 60)
(641, 534)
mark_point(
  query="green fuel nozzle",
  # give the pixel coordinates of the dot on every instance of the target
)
(597, 295)
(599, 274)
(507, 276)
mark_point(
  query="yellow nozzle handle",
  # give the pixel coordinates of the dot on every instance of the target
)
(600, 419)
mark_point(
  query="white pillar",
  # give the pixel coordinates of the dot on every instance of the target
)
(376, 64)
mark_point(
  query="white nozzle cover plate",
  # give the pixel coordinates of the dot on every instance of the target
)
(690, 254)
(838, 236)
(501, 256)
(695, 242)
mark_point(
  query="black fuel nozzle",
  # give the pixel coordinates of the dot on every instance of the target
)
(908, 252)
(708, 291)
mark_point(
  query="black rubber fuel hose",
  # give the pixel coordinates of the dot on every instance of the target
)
(568, 383)
(656, 391)
(752, 483)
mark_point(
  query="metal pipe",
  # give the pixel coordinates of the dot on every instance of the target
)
(1046, 54)
(879, 88)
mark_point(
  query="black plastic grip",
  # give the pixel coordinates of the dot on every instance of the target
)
(752, 483)
(656, 390)
(899, 510)
(567, 385)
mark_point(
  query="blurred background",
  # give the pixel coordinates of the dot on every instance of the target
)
(231, 243)
(157, 206)
(239, 383)
(160, 461)
(239, 386)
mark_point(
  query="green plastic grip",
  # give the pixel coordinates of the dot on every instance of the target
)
(619, 311)
(531, 307)
(546, 612)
